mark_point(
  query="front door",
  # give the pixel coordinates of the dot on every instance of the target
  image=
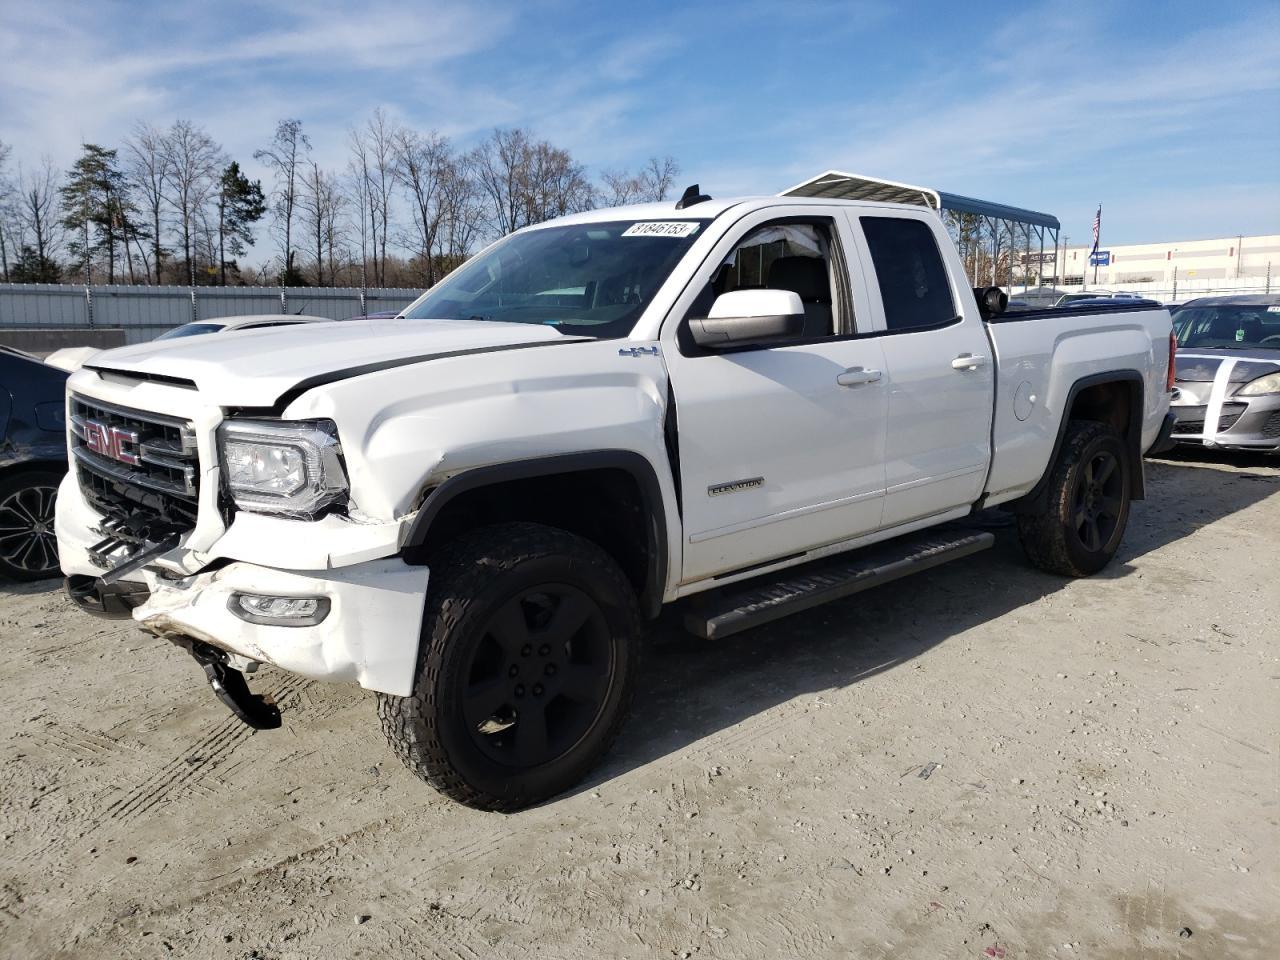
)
(781, 445)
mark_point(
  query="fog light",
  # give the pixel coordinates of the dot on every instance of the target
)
(279, 611)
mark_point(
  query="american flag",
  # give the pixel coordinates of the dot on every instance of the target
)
(1097, 227)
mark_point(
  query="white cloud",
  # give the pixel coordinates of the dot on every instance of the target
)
(1070, 116)
(1055, 108)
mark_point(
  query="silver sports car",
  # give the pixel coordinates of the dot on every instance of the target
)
(1227, 384)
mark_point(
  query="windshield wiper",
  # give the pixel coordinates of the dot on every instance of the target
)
(1231, 346)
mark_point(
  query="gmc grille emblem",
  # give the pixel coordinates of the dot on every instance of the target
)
(113, 442)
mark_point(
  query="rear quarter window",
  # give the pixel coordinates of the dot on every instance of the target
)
(913, 281)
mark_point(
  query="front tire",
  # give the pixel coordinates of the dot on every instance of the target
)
(28, 546)
(530, 642)
(1087, 504)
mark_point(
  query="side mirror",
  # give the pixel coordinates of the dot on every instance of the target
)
(749, 316)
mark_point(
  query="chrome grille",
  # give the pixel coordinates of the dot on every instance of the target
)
(138, 468)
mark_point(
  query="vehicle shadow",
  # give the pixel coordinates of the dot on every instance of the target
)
(690, 689)
(30, 588)
(1246, 459)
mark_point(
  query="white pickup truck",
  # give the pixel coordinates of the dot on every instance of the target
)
(747, 407)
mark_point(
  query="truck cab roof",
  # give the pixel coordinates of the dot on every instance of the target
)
(710, 209)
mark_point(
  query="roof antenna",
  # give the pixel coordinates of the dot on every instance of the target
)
(691, 195)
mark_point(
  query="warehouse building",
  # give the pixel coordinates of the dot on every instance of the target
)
(1244, 261)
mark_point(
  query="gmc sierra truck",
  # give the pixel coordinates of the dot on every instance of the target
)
(744, 407)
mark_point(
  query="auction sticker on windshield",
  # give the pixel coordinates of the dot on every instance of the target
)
(661, 228)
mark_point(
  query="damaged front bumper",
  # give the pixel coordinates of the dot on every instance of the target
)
(369, 634)
(372, 599)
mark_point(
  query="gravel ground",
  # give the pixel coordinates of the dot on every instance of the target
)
(983, 761)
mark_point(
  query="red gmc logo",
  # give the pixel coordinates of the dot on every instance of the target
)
(112, 442)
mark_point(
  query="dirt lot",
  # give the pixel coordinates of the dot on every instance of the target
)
(982, 762)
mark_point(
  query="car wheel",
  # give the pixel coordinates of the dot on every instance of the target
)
(28, 546)
(530, 642)
(1088, 504)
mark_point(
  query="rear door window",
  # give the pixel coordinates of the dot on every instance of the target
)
(913, 281)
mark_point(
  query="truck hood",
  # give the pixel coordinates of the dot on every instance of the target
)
(256, 368)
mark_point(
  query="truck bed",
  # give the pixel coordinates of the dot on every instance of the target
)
(1044, 357)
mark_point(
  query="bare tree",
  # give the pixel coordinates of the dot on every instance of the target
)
(373, 150)
(146, 154)
(357, 186)
(498, 166)
(319, 206)
(650, 184)
(195, 163)
(527, 181)
(6, 209)
(40, 233)
(334, 227)
(554, 185)
(463, 215)
(422, 163)
(286, 155)
(658, 176)
(619, 188)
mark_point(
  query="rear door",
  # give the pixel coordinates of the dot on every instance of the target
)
(781, 446)
(938, 361)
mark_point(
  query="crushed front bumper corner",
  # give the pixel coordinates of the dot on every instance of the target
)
(370, 635)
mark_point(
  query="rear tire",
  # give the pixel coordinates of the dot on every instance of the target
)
(1087, 504)
(28, 546)
(530, 643)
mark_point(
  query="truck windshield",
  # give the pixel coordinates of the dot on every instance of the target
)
(592, 279)
(1229, 326)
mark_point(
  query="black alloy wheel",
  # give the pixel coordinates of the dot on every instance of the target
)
(1076, 526)
(529, 648)
(539, 677)
(28, 545)
(1099, 500)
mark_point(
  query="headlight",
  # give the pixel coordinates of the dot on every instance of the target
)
(281, 466)
(1263, 385)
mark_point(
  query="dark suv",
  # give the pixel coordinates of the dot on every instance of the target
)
(33, 459)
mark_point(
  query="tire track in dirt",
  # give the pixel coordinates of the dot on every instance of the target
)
(66, 737)
(184, 773)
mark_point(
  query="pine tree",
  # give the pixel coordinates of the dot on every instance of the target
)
(96, 208)
(241, 204)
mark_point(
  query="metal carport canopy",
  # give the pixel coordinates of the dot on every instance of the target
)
(837, 185)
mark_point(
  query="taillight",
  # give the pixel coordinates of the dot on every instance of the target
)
(1173, 356)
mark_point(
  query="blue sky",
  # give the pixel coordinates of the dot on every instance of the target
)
(1166, 113)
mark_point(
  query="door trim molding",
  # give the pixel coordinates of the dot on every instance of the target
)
(758, 522)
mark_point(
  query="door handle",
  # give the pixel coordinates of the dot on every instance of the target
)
(856, 376)
(968, 361)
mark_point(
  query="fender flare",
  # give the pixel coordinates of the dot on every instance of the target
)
(1133, 442)
(634, 464)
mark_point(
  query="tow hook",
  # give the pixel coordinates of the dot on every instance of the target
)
(255, 710)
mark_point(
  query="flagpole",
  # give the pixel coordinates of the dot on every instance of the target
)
(1097, 242)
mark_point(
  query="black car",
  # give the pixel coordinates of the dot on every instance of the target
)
(33, 459)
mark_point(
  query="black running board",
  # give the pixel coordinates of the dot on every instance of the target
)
(741, 606)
